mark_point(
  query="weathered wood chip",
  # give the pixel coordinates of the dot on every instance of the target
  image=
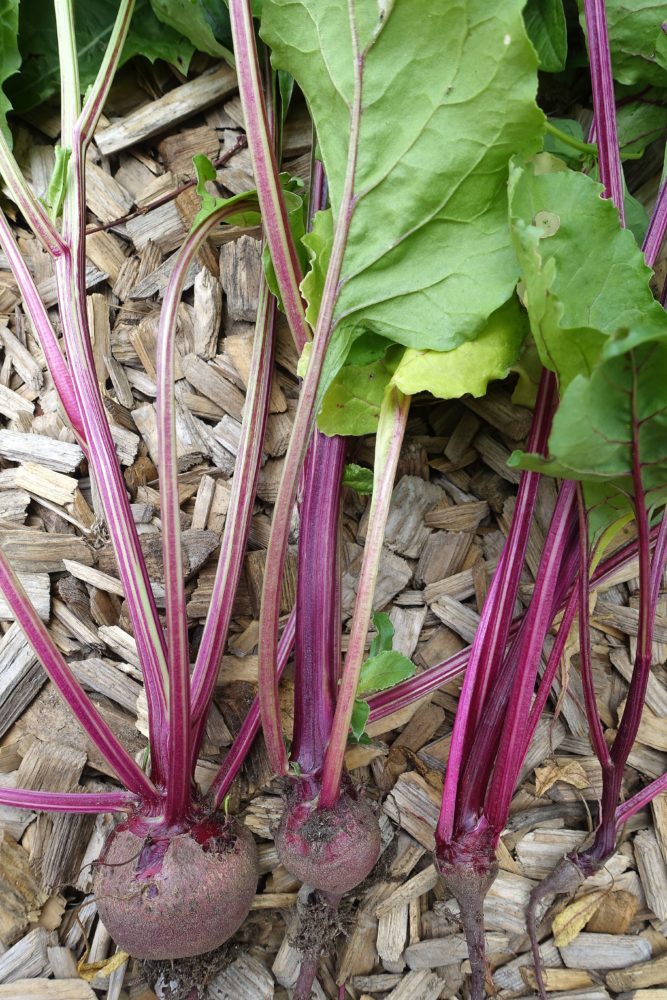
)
(22, 897)
(605, 951)
(48, 989)
(167, 111)
(61, 456)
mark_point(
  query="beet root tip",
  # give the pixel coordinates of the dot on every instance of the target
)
(566, 877)
(175, 895)
(332, 850)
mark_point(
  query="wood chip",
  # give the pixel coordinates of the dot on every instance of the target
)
(167, 111)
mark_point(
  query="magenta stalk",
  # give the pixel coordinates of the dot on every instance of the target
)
(90, 720)
(69, 802)
(240, 748)
(239, 515)
(301, 431)
(493, 630)
(42, 326)
(391, 429)
(265, 169)
(611, 172)
(70, 278)
(317, 605)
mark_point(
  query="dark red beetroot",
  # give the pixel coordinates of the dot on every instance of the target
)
(172, 896)
(332, 850)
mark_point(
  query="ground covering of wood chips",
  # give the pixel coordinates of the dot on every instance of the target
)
(452, 502)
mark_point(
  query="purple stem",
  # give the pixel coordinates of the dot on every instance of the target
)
(641, 799)
(179, 733)
(318, 624)
(592, 714)
(69, 802)
(265, 169)
(655, 234)
(241, 746)
(482, 753)
(385, 703)
(239, 515)
(538, 621)
(389, 439)
(611, 173)
(305, 414)
(492, 633)
(90, 720)
(649, 583)
(42, 327)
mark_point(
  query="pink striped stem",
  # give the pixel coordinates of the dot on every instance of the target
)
(99, 91)
(301, 432)
(492, 633)
(391, 430)
(240, 748)
(538, 621)
(70, 278)
(385, 703)
(640, 800)
(611, 171)
(655, 234)
(27, 203)
(69, 802)
(42, 327)
(127, 770)
(179, 701)
(239, 514)
(275, 219)
(590, 702)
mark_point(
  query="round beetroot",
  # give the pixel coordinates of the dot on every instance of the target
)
(332, 850)
(174, 895)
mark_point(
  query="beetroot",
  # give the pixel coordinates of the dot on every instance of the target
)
(175, 894)
(332, 850)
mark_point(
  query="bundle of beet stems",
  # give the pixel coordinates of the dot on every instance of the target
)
(378, 273)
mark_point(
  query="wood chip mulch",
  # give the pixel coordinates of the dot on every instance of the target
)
(451, 508)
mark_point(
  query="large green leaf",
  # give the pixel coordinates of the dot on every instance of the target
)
(447, 96)
(10, 59)
(583, 277)
(205, 23)
(40, 74)
(592, 434)
(636, 40)
(547, 30)
(469, 367)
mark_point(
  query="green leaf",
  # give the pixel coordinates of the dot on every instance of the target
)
(10, 59)
(547, 30)
(40, 73)
(55, 194)
(205, 23)
(447, 94)
(468, 368)
(351, 405)
(205, 172)
(358, 478)
(583, 276)
(636, 40)
(384, 628)
(318, 247)
(360, 713)
(591, 437)
(384, 671)
(559, 146)
(640, 123)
